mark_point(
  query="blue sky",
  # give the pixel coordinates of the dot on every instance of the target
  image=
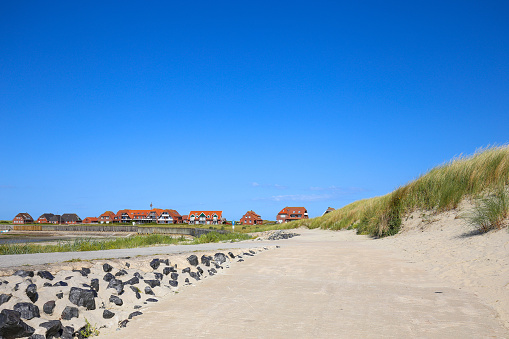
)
(235, 106)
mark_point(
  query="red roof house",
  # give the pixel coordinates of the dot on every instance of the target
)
(288, 214)
(106, 217)
(205, 217)
(45, 218)
(90, 220)
(251, 218)
(23, 218)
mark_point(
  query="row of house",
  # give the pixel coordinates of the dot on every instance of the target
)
(160, 216)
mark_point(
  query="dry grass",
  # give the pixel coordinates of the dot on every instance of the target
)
(441, 189)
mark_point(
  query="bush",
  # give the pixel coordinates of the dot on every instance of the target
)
(490, 212)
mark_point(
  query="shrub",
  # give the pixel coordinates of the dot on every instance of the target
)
(490, 212)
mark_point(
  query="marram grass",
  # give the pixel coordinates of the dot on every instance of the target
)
(441, 189)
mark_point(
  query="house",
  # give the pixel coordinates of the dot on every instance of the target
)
(56, 219)
(205, 217)
(169, 217)
(106, 217)
(251, 218)
(70, 219)
(288, 214)
(45, 218)
(155, 215)
(90, 220)
(330, 209)
(23, 218)
(185, 219)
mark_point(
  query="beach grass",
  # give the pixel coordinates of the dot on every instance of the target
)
(88, 244)
(441, 189)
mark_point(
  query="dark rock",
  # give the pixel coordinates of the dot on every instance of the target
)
(117, 285)
(31, 292)
(53, 328)
(219, 258)
(199, 269)
(24, 274)
(60, 295)
(68, 333)
(94, 283)
(148, 290)
(132, 281)
(134, 288)
(205, 260)
(248, 254)
(45, 275)
(61, 283)
(16, 287)
(116, 300)
(138, 295)
(240, 260)
(121, 273)
(166, 262)
(155, 264)
(173, 283)
(186, 270)
(174, 276)
(158, 276)
(108, 314)
(47, 284)
(212, 271)
(152, 300)
(152, 283)
(27, 310)
(81, 297)
(11, 325)
(108, 277)
(84, 271)
(167, 270)
(252, 252)
(4, 282)
(69, 277)
(107, 268)
(37, 336)
(86, 285)
(187, 281)
(193, 260)
(137, 307)
(217, 265)
(231, 255)
(127, 265)
(138, 275)
(123, 323)
(70, 312)
(48, 307)
(134, 314)
(5, 298)
(194, 275)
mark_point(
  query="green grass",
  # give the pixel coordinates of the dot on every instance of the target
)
(490, 211)
(441, 189)
(87, 244)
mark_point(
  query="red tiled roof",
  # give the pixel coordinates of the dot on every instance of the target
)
(208, 214)
(291, 210)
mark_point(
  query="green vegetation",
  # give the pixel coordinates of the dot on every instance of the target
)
(89, 330)
(441, 189)
(490, 211)
(217, 237)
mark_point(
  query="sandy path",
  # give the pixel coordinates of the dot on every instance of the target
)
(319, 285)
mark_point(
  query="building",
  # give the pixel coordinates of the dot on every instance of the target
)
(56, 219)
(23, 218)
(106, 217)
(330, 209)
(90, 220)
(169, 217)
(155, 215)
(205, 217)
(70, 219)
(45, 218)
(288, 214)
(251, 218)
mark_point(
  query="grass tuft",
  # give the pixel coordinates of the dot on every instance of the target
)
(490, 211)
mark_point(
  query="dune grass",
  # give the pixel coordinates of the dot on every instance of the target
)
(88, 244)
(441, 189)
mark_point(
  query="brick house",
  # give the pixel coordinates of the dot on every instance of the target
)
(169, 217)
(70, 219)
(90, 220)
(288, 214)
(205, 217)
(23, 218)
(251, 218)
(106, 217)
(56, 219)
(155, 215)
(45, 218)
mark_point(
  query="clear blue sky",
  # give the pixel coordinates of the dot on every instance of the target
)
(228, 105)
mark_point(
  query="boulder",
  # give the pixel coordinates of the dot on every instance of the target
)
(108, 277)
(132, 281)
(108, 314)
(152, 283)
(5, 298)
(45, 275)
(37, 336)
(61, 283)
(60, 295)
(31, 292)
(70, 312)
(136, 290)
(121, 273)
(193, 260)
(205, 260)
(116, 284)
(27, 310)
(152, 300)
(219, 258)
(48, 307)
(155, 264)
(24, 274)
(138, 275)
(94, 283)
(47, 284)
(11, 325)
(116, 300)
(134, 314)
(53, 328)
(81, 297)
(148, 290)
(165, 261)
(174, 276)
(107, 268)
(199, 269)
(158, 276)
(212, 271)
(84, 271)
(173, 283)
(68, 333)
(231, 255)
(123, 323)
(194, 275)
(127, 265)
(186, 270)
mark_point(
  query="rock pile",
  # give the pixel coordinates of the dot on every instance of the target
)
(280, 234)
